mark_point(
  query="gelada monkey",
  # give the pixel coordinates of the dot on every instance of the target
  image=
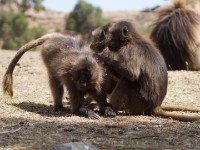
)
(99, 43)
(143, 83)
(101, 37)
(67, 65)
(176, 34)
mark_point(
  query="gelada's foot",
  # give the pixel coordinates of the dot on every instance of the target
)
(109, 112)
(87, 113)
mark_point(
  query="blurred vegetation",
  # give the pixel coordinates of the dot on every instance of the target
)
(26, 4)
(14, 30)
(84, 18)
(7, 1)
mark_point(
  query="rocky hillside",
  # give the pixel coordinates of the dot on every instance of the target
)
(49, 19)
(55, 21)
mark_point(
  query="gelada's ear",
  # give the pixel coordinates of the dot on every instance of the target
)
(125, 31)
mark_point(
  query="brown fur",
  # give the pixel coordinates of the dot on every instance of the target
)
(99, 43)
(100, 39)
(179, 108)
(176, 34)
(142, 68)
(71, 66)
(191, 4)
(143, 83)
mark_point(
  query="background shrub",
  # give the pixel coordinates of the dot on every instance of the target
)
(84, 18)
(14, 30)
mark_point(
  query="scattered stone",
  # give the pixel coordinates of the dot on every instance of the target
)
(75, 146)
(68, 130)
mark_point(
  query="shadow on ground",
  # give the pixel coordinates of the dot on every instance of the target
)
(42, 109)
(117, 133)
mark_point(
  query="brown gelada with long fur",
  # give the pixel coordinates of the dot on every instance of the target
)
(68, 64)
(141, 70)
(176, 34)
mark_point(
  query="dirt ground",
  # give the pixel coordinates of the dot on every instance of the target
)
(27, 121)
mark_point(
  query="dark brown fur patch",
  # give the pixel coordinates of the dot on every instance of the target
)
(174, 34)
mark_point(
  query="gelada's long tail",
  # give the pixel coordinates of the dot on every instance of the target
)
(7, 79)
(179, 108)
(184, 118)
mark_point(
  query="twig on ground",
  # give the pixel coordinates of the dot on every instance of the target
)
(142, 137)
(10, 131)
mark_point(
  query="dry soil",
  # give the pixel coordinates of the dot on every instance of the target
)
(27, 121)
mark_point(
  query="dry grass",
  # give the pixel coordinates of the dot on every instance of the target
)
(27, 121)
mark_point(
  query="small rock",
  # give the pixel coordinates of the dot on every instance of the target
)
(75, 146)
(68, 130)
